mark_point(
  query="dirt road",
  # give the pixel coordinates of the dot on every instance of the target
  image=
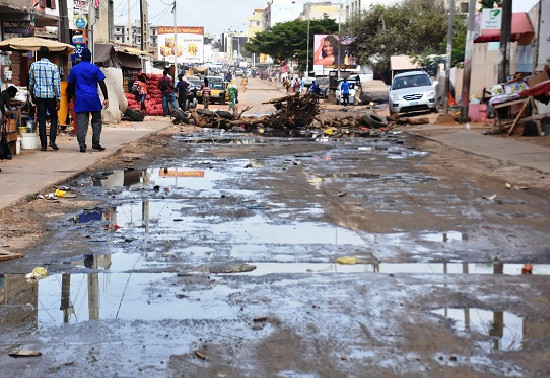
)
(214, 254)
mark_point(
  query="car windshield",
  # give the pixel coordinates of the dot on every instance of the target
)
(218, 86)
(411, 81)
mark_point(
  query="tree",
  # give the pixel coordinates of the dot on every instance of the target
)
(412, 27)
(490, 3)
(287, 41)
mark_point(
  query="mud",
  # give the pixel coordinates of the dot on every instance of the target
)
(145, 263)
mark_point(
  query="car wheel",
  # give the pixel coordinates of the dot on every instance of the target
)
(375, 121)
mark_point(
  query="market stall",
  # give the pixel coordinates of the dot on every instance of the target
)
(22, 113)
(514, 102)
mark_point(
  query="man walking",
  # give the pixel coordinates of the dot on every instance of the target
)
(167, 90)
(45, 89)
(345, 92)
(206, 94)
(83, 81)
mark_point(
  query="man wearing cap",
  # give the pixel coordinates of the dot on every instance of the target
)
(45, 89)
(83, 81)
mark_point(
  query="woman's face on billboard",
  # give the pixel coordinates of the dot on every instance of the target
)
(328, 48)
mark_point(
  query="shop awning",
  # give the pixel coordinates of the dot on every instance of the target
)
(34, 44)
(129, 60)
(522, 30)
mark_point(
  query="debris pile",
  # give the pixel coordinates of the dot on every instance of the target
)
(296, 114)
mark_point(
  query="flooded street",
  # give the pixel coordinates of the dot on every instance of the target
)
(230, 255)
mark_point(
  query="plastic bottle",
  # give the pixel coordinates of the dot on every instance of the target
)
(468, 126)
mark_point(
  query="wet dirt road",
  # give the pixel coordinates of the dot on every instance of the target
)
(215, 256)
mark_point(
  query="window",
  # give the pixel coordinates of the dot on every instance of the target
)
(464, 7)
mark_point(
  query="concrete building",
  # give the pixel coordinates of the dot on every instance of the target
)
(131, 35)
(316, 11)
(280, 11)
(255, 22)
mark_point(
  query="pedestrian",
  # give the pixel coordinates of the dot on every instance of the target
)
(345, 91)
(296, 85)
(243, 83)
(45, 89)
(5, 100)
(83, 81)
(142, 88)
(169, 102)
(206, 94)
(232, 89)
(182, 91)
(228, 77)
(314, 89)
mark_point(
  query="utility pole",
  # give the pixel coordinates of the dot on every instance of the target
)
(465, 100)
(174, 10)
(130, 42)
(504, 50)
(307, 41)
(143, 9)
(64, 35)
(536, 46)
(446, 84)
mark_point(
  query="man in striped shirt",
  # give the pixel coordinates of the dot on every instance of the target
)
(45, 89)
(206, 94)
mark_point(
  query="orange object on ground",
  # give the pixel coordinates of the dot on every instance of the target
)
(527, 269)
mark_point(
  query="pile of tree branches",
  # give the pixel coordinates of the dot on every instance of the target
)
(293, 112)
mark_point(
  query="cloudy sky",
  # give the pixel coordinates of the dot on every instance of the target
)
(218, 15)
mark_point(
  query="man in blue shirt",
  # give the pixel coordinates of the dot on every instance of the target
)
(45, 89)
(83, 81)
(345, 92)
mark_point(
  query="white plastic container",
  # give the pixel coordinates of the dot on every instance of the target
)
(18, 145)
(30, 141)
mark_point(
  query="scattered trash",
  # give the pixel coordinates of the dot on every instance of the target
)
(200, 355)
(515, 187)
(51, 197)
(60, 192)
(490, 198)
(37, 273)
(232, 268)
(527, 269)
(40, 197)
(15, 210)
(342, 194)
(24, 353)
(260, 319)
(343, 358)
(6, 255)
(347, 260)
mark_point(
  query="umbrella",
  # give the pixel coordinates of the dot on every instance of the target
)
(34, 44)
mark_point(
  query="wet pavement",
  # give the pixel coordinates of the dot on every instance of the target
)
(215, 265)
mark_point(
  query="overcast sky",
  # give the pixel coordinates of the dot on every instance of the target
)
(218, 15)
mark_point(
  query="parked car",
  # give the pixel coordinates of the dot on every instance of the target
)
(239, 71)
(375, 91)
(411, 91)
(340, 96)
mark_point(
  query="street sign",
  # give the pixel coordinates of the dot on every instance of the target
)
(492, 18)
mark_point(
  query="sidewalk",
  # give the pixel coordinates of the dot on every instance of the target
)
(514, 151)
(33, 170)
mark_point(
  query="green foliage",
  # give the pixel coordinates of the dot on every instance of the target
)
(414, 27)
(490, 3)
(288, 40)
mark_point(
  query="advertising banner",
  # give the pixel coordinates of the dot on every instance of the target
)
(189, 48)
(492, 18)
(330, 50)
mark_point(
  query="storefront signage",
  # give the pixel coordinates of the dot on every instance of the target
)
(80, 21)
(492, 18)
(81, 6)
(189, 48)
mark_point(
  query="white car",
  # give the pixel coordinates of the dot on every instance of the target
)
(340, 95)
(412, 91)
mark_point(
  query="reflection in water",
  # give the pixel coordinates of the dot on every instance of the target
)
(413, 268)
(506, 331)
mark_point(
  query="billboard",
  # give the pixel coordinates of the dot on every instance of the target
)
(189, 47)
(331, 50)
